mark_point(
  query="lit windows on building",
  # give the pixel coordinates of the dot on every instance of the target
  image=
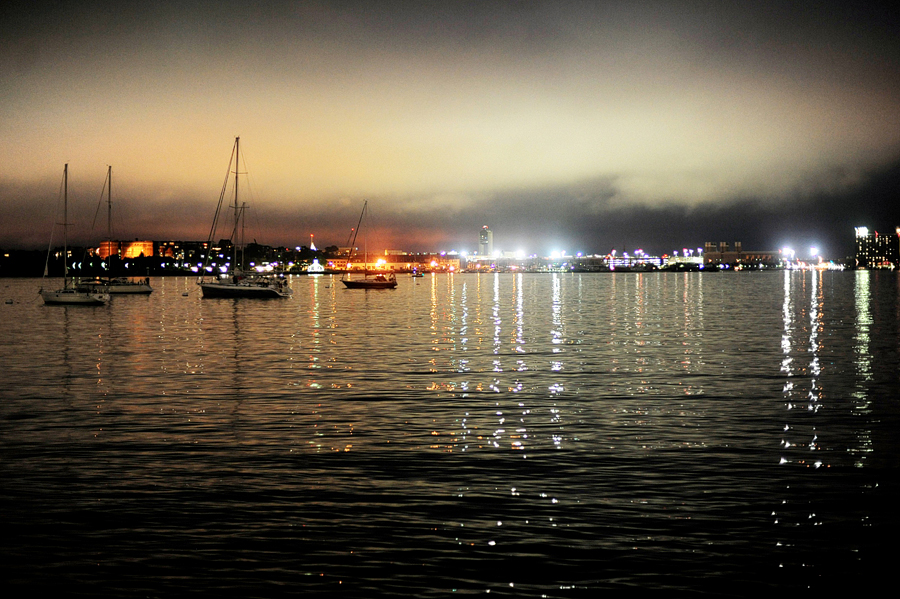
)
(877, 251)
(126, 249)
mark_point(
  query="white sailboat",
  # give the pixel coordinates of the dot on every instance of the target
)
(117, 285)
(236, 283)
(69, 294)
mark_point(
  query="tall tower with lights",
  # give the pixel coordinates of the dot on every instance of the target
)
(485, 242)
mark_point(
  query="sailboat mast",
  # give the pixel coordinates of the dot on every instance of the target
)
(66, 224)
(109, 205)
(237, 162)
(365, 245)
(365, 249)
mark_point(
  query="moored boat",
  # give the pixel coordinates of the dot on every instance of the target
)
(117, 285)
(249, 286)
(69, 295)
(234, 282)
(378, 280)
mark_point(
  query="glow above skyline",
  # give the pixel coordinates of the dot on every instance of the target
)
(592, 126)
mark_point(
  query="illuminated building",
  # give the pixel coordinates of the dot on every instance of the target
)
(486, 242)
(722, 253)
(877, 251)
(126, 249)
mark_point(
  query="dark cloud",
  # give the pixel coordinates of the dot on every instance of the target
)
(585, 218)
(575, 218)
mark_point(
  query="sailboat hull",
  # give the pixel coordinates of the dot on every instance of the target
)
(130, 288)
(118, 286)
(229, 290)
(72, 297)
(369, 284)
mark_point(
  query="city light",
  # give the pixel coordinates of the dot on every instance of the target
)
(873, 251)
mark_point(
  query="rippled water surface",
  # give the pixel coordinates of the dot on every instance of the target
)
(523, 435)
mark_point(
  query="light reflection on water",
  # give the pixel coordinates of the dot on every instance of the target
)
(827, 437)
(562, 433)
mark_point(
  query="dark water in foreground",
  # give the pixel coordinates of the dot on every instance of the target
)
(523, 435)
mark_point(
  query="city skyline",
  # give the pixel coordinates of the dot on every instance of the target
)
(564, 126)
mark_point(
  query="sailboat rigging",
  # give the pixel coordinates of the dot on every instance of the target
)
(69, 294)
(378, 280)
(234, 282)
(117, 285)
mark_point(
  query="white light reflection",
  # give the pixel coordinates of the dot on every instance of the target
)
(463, 363)
(497, 320)
(862, 340)
(500, 325)
(519, 319)
(814, 326)
(803, 392)
(315, 333)
(813, 395)
(556, 333)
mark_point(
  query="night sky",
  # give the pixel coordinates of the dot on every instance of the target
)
(576, 126)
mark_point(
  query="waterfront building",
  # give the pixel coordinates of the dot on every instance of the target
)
(397, 261)
(721, 253)
(877, 251)
(126, 249)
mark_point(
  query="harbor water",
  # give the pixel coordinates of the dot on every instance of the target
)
(527, 435)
